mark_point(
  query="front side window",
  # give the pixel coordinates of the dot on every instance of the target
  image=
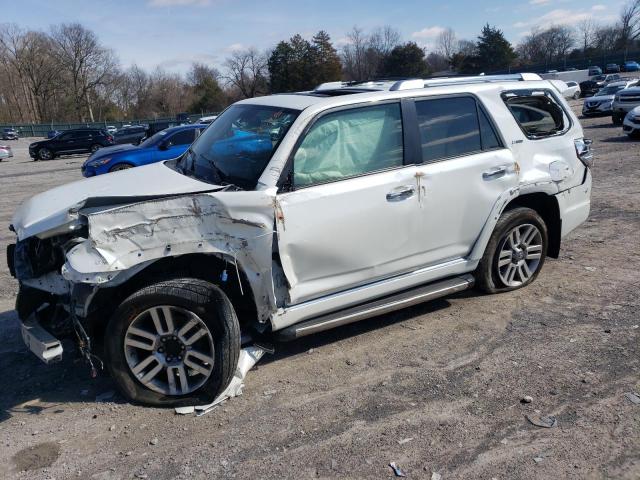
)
(237, 147)
(537, 112)
(349, 143)
(184, 137)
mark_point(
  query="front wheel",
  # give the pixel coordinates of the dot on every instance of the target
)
(120, 166)
(515, 253)
(45, 154)
(173, 343)
(617, 119)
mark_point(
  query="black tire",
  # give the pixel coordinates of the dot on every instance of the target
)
(617, 119)
(120, 166)
(45, 154)
(204, 299)
(487, 274)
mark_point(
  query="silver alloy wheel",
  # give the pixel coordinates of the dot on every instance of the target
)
(520, 255)
(45, 154)
(169, 350)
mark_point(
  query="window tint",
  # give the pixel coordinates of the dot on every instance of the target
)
(348, 143)
(487, 133)
(537, 113)
(448, 127)
(184, 137)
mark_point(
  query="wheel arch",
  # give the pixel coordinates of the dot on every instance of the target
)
(208, 267)
(122, 162)
(547, 207)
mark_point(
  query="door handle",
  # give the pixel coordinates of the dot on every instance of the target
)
(401, 193)
(495, 172)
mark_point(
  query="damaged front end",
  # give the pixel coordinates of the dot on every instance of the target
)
(94, 251)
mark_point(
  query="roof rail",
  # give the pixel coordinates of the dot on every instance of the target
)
(434, 82)
(414, 83)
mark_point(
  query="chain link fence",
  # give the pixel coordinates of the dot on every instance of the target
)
(42, 129)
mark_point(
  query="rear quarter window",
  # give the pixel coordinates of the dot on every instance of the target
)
(538, 113)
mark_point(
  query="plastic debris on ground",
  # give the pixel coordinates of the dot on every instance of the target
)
(249, 356)
(544, 422)
(633, 397)
(397, 470)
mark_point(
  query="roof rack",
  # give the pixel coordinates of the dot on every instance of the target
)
(414, 83)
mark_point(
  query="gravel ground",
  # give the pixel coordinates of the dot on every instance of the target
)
(435, 388)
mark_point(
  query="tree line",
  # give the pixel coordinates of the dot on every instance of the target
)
(67, 75)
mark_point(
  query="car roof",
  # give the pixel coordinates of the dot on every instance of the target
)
(357, 94)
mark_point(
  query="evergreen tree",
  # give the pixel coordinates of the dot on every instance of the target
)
(493, 50)
(207, 94)
(405, 60)
(327, 66)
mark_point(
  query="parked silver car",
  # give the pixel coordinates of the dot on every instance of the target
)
(623, 102)
(602, 102)
(370, 197)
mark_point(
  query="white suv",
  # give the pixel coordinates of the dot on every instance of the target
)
(297, 213)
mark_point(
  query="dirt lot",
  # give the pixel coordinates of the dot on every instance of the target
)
(436, 388)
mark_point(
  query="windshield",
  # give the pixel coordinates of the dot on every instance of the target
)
(609, 90)
(236, 148)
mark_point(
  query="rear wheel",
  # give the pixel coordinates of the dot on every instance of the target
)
(173, 343)
(45, 154)
(515, 253)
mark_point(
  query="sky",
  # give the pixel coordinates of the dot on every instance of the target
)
(174, 33)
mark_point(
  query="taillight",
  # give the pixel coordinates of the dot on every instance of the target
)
(583, 150)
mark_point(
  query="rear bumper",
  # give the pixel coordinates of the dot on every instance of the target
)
(575, 204)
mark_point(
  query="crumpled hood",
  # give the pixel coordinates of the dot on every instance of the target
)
(59, 206)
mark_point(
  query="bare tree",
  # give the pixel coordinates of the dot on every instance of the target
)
(354, 56)
(383, 39)
(246, 71)
(447, 43)
(629, 24)
(586, 33)
(84, 60)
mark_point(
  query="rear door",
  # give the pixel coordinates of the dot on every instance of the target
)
(348, 216)
(465, 168)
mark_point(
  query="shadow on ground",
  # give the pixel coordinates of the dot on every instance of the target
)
(29, 386)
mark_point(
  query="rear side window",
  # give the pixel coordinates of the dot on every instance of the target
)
(537, 112)
(451, 127)
(349, 143)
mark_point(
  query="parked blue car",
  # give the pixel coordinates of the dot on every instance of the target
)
(631, 66)
(164, 145)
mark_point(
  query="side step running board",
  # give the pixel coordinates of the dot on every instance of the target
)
(377, 307)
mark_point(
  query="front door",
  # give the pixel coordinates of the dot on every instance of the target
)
(175, 145)
(349, 218)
